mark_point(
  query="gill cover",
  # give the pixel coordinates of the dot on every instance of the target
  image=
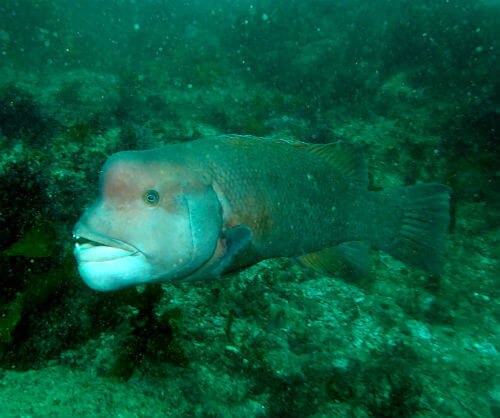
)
(185, 239)
(205, 221)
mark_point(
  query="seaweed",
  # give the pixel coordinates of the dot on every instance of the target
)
(31, 270)
(26, 267)
(37, 242)
(81, 132)
(43, 326)
(142, 335)
(11, 314)
(23, 188)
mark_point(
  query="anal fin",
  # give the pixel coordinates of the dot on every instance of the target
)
(347, 259)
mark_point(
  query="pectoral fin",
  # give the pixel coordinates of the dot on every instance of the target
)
(238, 249)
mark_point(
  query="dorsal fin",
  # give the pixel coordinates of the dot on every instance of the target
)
(347, 158)
(344, 157)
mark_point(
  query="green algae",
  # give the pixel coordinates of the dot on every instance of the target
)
(149, 337)
(38, 285)
(11, 314)
(80, 132)
(36, 293)
(38, 241)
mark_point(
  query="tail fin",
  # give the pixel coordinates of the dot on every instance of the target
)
(412, 223)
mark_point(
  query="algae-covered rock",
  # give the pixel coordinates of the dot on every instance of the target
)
(21, 117)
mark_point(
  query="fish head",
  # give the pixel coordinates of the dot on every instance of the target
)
(154, 220)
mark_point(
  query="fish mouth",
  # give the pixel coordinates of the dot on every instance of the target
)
(91, 247)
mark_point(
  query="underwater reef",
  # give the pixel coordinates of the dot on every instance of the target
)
(414, 83)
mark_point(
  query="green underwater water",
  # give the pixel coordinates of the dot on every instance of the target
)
(414, 83)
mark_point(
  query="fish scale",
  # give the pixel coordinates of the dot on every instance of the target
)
(267, 181)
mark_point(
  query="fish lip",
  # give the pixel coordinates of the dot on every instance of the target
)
(96, 239)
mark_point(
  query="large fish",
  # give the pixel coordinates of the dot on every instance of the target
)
(201, 209)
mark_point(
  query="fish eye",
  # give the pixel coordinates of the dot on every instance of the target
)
(151, 197)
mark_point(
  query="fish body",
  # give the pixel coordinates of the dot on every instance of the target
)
(201, 209)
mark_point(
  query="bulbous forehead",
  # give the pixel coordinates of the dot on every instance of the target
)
(127, 174)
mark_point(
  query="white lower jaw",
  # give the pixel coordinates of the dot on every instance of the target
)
(113, 273)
